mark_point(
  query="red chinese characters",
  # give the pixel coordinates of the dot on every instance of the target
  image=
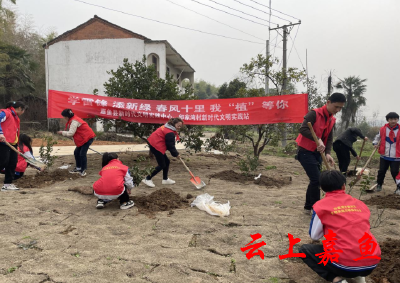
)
(367, 247)
(253, 248)
(329, 249)
(292, 241)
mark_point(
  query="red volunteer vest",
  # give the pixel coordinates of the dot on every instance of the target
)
(382, 146)
(21, 165)
(111, 182)
(157, 138)
(11, 125)
(83, 132)
(349, 219)
(321, 128)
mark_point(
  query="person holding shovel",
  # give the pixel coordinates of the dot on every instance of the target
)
(343, 145)
(389, 149)
(9, 132)
(309, 153)
(160, 141)
(83, 137)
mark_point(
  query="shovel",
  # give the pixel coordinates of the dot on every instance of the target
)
(354, 172)
(358, 177)
(31, 161)
(89, 147)
(316, 141)
(195, 180)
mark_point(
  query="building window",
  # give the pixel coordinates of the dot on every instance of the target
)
(152, 59)
(168, 70)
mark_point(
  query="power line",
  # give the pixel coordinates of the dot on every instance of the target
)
(238, 11)
(261, 11)
(214, 20)
(129, 14)
(301, 62)
(228, 13)
(275, 10)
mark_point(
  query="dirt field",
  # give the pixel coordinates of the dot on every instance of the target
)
(52, 232)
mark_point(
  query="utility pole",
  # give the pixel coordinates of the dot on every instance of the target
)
(284, 67)
(267, 71)
(330, 83)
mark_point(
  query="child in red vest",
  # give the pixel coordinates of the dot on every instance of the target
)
(389, 149)
(83, 137)
(344, 221)
(25, 147)
(9, 132)
(115, 182)
(160, 141)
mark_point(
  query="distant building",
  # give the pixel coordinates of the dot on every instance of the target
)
(78, 60)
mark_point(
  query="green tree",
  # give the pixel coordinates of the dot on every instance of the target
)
(204, 90)
(354, 89)
(230, 90)
(139, 81)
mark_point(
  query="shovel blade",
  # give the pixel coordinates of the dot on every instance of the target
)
(197, 182)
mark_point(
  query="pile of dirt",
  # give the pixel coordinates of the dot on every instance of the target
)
(389, 201)
(46, 178)
(159, 200)
(36, 142)
(84, 190)
(218, 156)
(232, 176)
(388, 269)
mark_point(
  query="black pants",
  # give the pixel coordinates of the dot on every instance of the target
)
(124, 197)
(81, 155)
(384, 166)
(8, 161)
(163, 164)
(328, 271)
(311, 162)
(343, 155)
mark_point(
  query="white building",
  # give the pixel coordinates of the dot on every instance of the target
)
(78, 60)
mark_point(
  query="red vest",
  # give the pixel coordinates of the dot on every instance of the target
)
(349, 219)
(157, 138)
(383, 140)
(112, 180)
(321, 128)
(11, 125)
(21, 165)
(83, 132)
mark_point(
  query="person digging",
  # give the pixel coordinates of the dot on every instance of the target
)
(160, 141)
(308, 153)
(343, 145)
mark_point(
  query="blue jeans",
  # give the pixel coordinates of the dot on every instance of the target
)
(311, 162)
(81, 155)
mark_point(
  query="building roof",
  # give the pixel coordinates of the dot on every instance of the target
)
(69, 35)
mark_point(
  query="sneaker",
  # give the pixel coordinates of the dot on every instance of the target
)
(307, 211)
(10, 187)
(397, 192)
(148, 183)
(378, 188)
(75, 170)
(359, 279)
(100, 204)
(127, 205)
(168, 182)
(83, 173)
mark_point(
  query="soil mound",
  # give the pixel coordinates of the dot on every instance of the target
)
(389, 266)
(46, 178)
(389, 201)
(232, 176)
(160, 200)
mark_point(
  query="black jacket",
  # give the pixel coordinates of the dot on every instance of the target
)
(170, 143)
(349, 136)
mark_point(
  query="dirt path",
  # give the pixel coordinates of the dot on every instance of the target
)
(53, 234)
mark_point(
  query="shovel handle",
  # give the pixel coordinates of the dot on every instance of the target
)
(358, 177)
(361, 150)
(23, 156)
(187, 168)
(316, 142)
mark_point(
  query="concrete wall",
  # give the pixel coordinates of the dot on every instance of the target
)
(81, 65)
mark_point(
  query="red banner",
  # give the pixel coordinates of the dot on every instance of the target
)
(231, 111)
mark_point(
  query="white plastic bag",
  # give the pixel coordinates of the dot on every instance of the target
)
(205, 202)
